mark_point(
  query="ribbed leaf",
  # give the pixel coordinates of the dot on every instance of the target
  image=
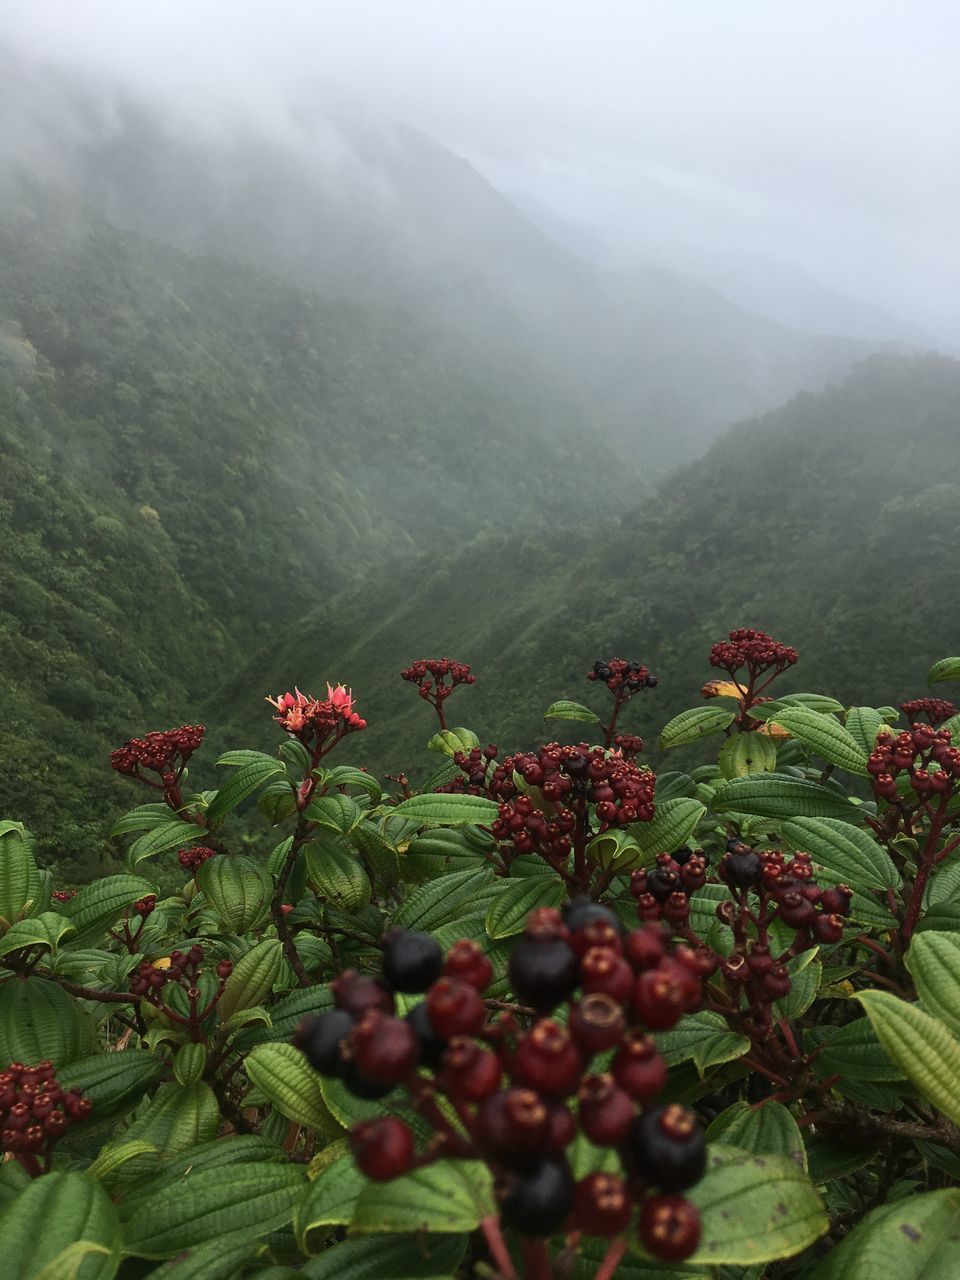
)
(945, 669)
(115, 1155)
(449, 741)
(249, 777)
(451, 1195)
(39, 1020)
(923, 1048)
(768, 1128)
(335, 874)
(190, 1063)
(19, 877)
(852, 856)
(703, 1037)
(252, 979)
(698, 722)
(178, 1118)
(217, 1260)
(44, 930)
(284, 1076)
(746, 753)
(336, 812)
(617, 848)
(48, 1216)
(448, 810)
(806, 973)
(818, 702)
(330, 1201)
(237, 1202)
(853, 1051)
(435, 1257)
(143, 818)
(168, 835)
(916, 1237)
(434, 904)
(239, 891)
(673, 823)
(776, 795)
(863, 725)
(439, 852)
(565, 710)
(515, 899)
(934, 962)
(114, 1082)
(344, 775)
(755, 1208)
(99, 905)
(823, 735)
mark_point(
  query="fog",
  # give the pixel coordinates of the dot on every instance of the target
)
(770, 149)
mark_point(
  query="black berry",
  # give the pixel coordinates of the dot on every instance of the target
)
(538, 1204)
(411, 961)
(666, 1147)
(320, 1039)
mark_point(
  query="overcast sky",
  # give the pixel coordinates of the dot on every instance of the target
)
(825, 133)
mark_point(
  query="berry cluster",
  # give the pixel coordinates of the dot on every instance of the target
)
(183, 969)
(473, 766)
(194, 856)
(509, 1079)
(143, 908)
(164, 753)
(664, 892)
(432, 675)
(923, 753)
(622, 678)
(565, 775)
(754, 650)
(63, 895)
(313, 720)
(35, 1112)
(935, 709)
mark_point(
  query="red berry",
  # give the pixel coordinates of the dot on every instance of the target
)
(513, 1128)
(355, 993)
(645, 947)
(466, 962)
(596, 933)
(470, 1073)
(596, 1023)
(603, 1205)
(669, 1227)
(638, 1068)
(455, 1008)
(561, 1131)
(659, 998)
(548, 1060)
(606, 1111)
(603, 970)
(385, 1050)
(383, 1148)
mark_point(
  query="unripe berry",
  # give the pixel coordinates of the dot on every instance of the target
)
(828, 928)
(411, 961)
(646, 947)
(455, 1008)
(602, 1205)
(466, 962)
(596, 1023)
(638, 1068)
(470, 1073)
(385, 1050)
(356, 993)
(606, 972)
(606, 1110)
(669, 1227)
(513, 1128)
(548, 1060)
(382, 1148)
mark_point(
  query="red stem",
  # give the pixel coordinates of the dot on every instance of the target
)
(498, 1249)
(536, 1260)
(611, 1259)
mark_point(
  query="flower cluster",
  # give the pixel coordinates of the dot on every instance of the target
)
(509, 1080)
(754, 650)
(164, 753)
(622, 678)
(313, 720)
(924, 754)
(194, 856)
(935, 709)
(432, 675)
(35, 1112)
(184, 970)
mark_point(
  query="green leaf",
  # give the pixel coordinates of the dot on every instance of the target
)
(99, 905)
(334, 873)
(51, 1214)
(178, 1118)
(449, 741)
(115, 1155)
(823, 735)
(144, 818)
(168, 835)
(450, 1195)
(945, 669)
(252, 978)
(818, 702)
(433, 904)
(190, 1063)
(330, 1201)
(863, 725)
(806, 974)
(339, 813)
(672, 784)
(213, 1261)
(435, 1257)
(705, 1038)
(515, 900)
(698, 722)
(914, 1238)
(448, 810)
(768, 1127)
(114, 1082)
(44, 930)
(564, 710)
(224, 1203)
(440, 852)
(345, 775)
(850, 855)
(618, 849)
(238, 889)
(776, 795)
(755, 1208)
(923, 1048)
(19, 876)
(673, 823)
(250, 776)
(283, 1075)
(39, 1020)
(853, 1051)
(746, 753)
(934, 962)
